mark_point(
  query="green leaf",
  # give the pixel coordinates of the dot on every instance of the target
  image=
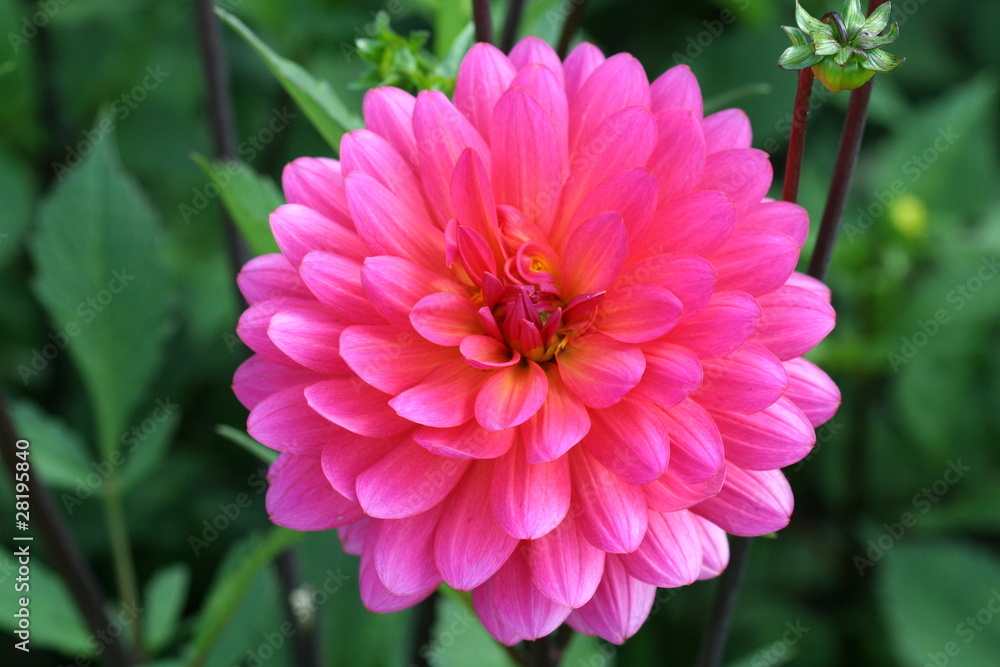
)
(459, 639)
(242, 439)
(18, 188)
(931, 596)
(55, 622)
(798, 57)
(249, 199)
(164, 597)
(147, 440)
(228, 591)
(317, 100)
(103, 281)
(62, 458)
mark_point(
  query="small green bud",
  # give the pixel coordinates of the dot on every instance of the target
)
(842, 49)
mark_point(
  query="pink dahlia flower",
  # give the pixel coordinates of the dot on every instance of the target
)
(541, 342)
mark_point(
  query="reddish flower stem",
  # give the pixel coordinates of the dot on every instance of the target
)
(511, 25)
(797, 138)
(713, 646)
(572, 22)
(66, 558)
(483, 21)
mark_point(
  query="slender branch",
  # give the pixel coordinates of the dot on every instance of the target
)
(797, 138)
(421, 626)
(220, 112)
(572, 22)
(840, 183)
(511, 25)
(713, 645)
(305, 646)
(66, 558)
(483, 20)
(121, 553)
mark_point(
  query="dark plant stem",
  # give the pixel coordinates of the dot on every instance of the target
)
(65, 557)
(220, 112)
(797, 138)
(511, 25)
(572, 22)
(713, 646)
(541, 652)
(840, 183)
(483, 20)
(421, 626)
(305, 647)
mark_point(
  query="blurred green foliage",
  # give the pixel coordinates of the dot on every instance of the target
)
(890, 550)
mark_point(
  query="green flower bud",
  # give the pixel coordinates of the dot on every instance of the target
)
(842, 49)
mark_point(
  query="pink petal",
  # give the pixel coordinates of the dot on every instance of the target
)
(811, 390)
(755, 261)
(468, 441)
(336, 282)
(522, 607)
(394, 285)
(285, 422)
(725, 324)
(390, 358)
(298, 229)
(366, 152)
(348, 455)
(696, 450)
(389, 113)
(533, 50)
(483, 76)
(564, 565)
(691, 278)
(407, 481)
(810, 284)
(356, 406)
(300, 498)
(594, 254)
(714, 547)
(670, 554)
(752, 502)
(487, 353)
(600, 370)
(404, 553)
(446, 318)
(778, 216)
(631, 440)
(613, 516)
(697, 223)
(543, 85)
(473, 201)
(353, 536)
(511, 396)
(638, 313)
(677, 87)
(529, 499)
(270, 276)
(619, 607)
(631, 193)
(793, 322)
(727, 129)
(672, 373)
(390, 225)
(310, 335)
(255, 321)
(617, 83)
(678, 159)
(621, 143)
(258, 377)
(580, 64)
(526, 164)
(471, 545)
(374, 595)
(442, 134)
(777, 436)
(560, 423)
(742, 173)
(745, 381)
(447, 397)
(484, 604)
(319, 184)
(671, 494)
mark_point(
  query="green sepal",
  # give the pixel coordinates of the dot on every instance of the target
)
(826, 46)
(808, 24)
(798, 57)
(853, 17)
(868, 41)
(797, 37)
(878, 60)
